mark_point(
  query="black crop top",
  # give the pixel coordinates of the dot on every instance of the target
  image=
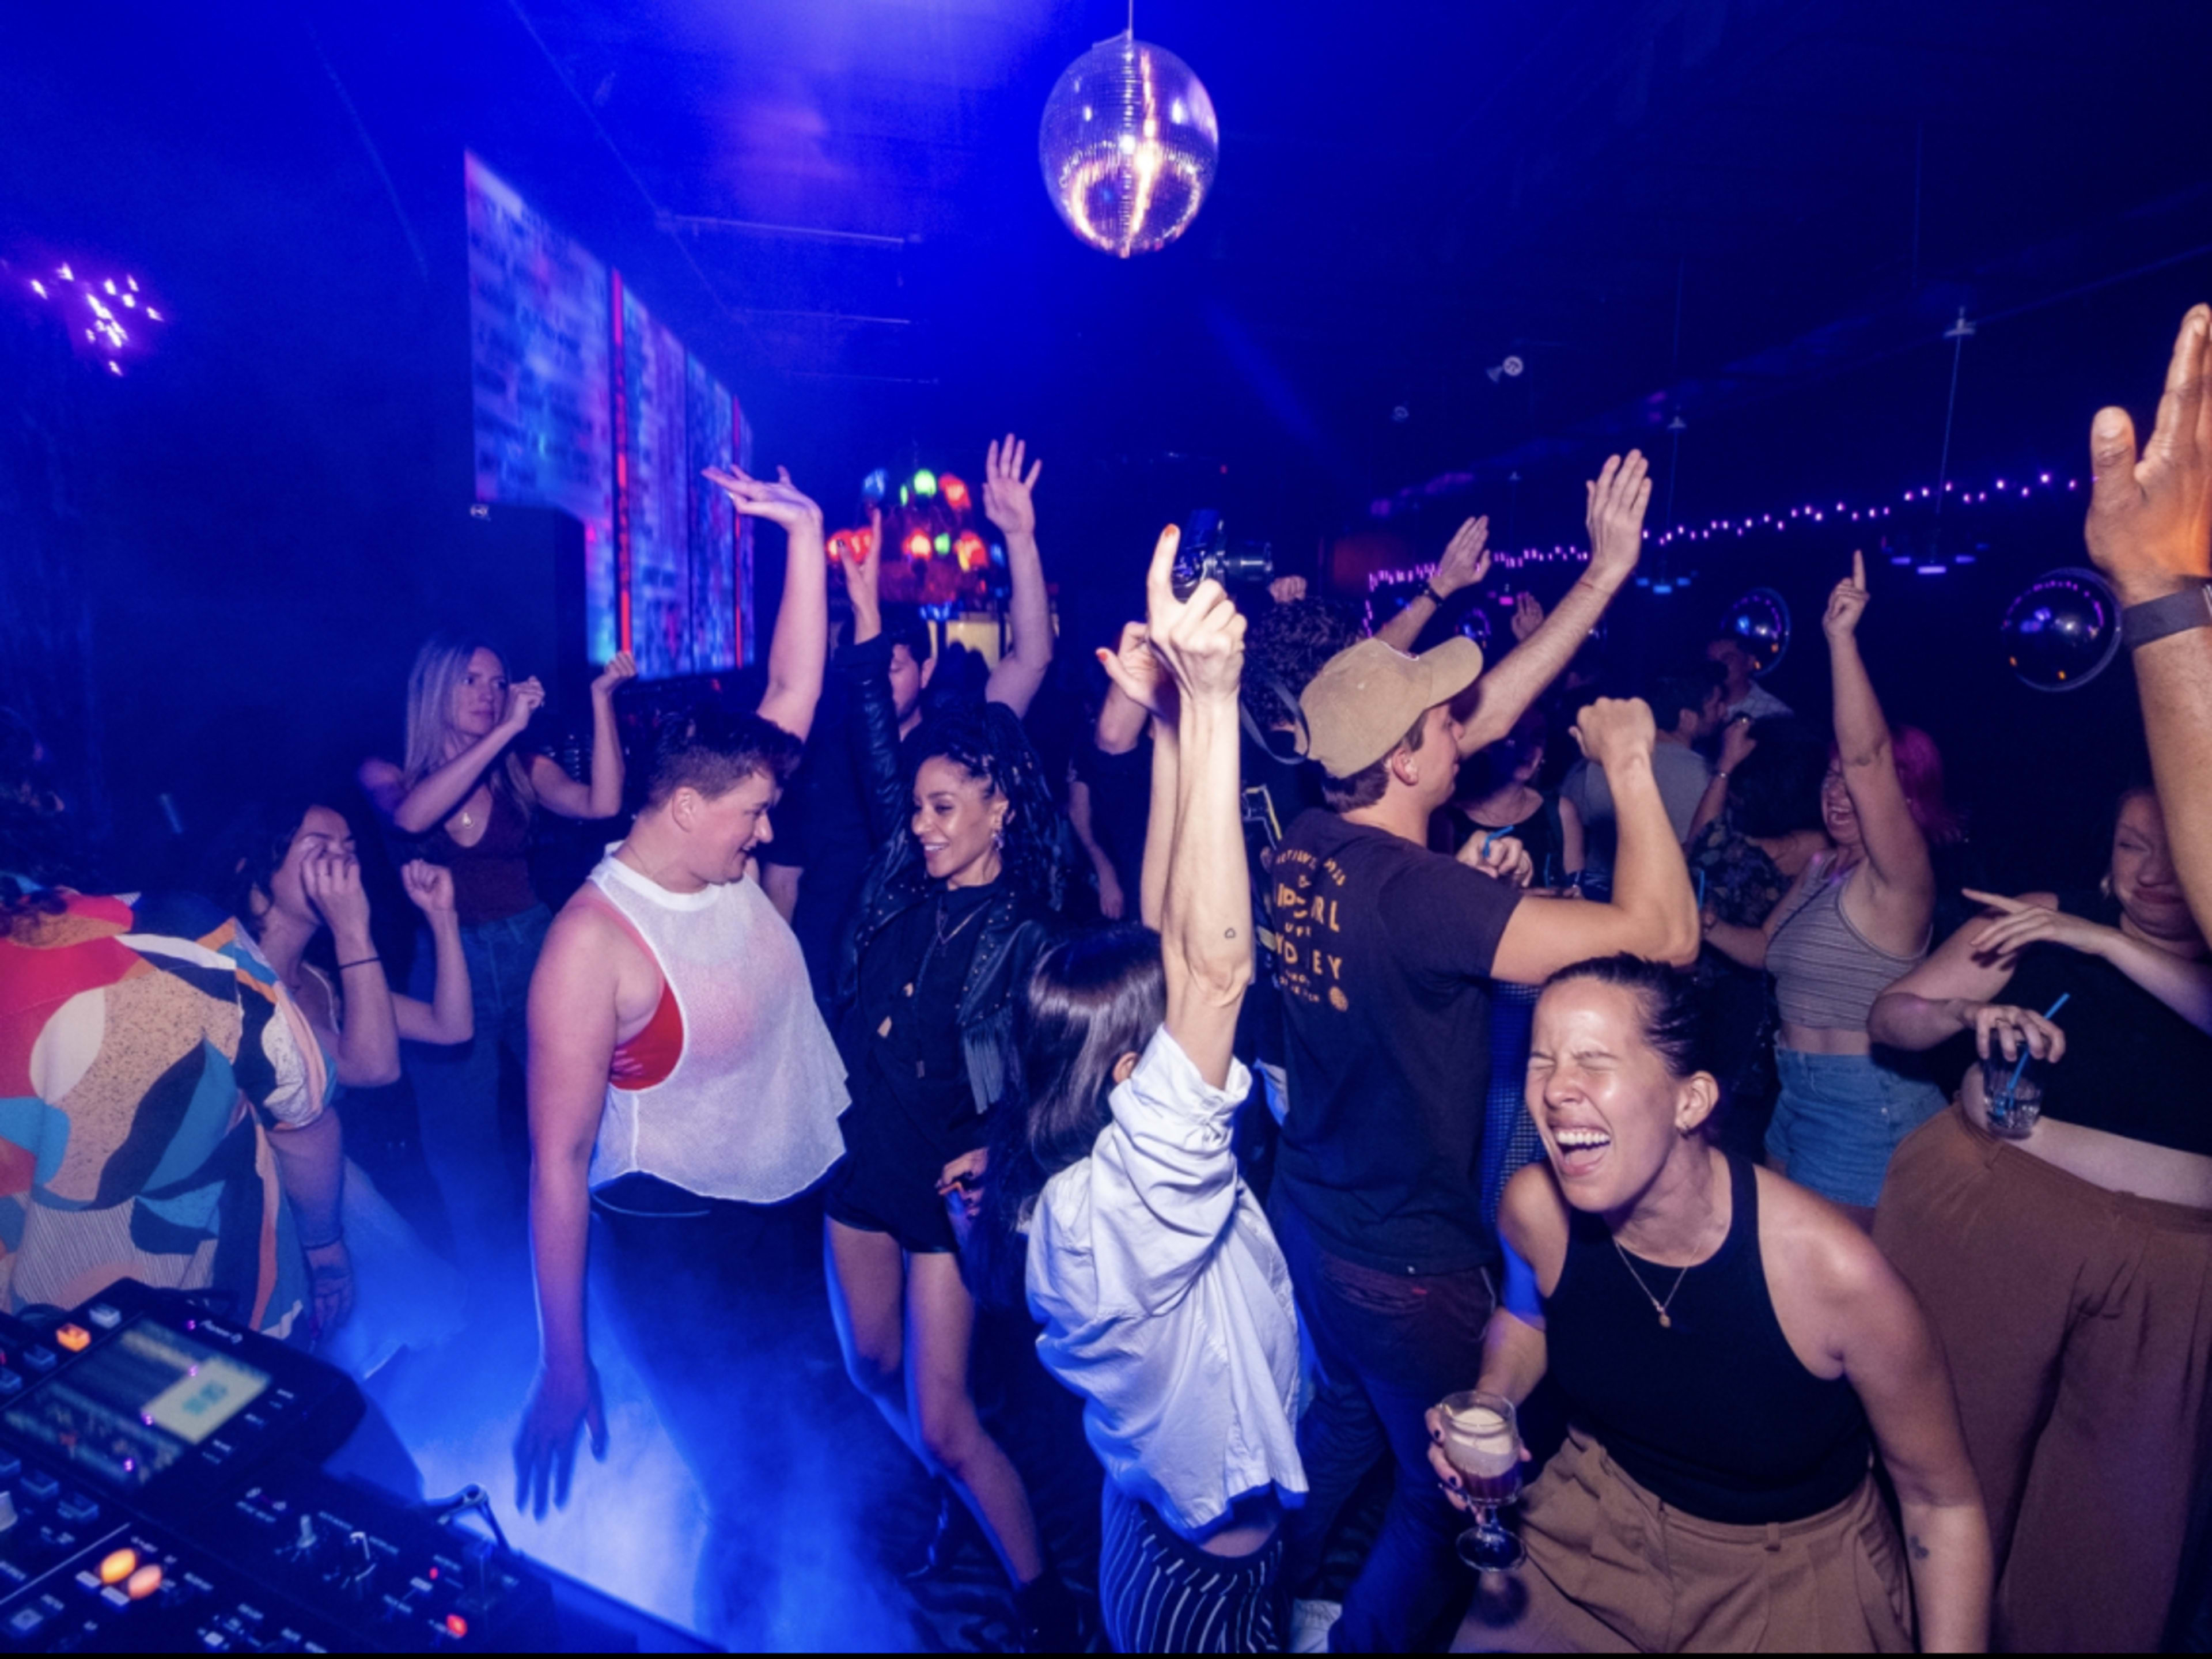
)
(1714, 1415)
(2133, 1067)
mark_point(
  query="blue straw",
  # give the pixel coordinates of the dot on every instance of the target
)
(1701, 889)
(2051, 1012)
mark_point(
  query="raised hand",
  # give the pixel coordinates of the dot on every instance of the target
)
(1006, 500)
(332, 882)
(781, 502)
(863, 571)
(622, 665)
(1288, 590)
(2150, 519)
(1467, 558)
(1528, 616)
(1617, 497)
(1137, 670)
(560, 1403)
(1847, 603)
(430, 886)
(1202, 639)
(1737, 745)
(1612, 730)
(524, 699)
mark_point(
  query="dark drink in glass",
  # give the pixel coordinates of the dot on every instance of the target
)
(1482, 1442)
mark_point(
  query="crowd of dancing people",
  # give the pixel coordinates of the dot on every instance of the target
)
(1360, 1057)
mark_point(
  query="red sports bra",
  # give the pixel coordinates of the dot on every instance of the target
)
(648, 1058)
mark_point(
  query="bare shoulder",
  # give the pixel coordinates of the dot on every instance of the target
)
(1532, 1216)
(1820, 1264)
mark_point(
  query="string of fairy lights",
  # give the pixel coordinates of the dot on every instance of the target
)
(2010, 488)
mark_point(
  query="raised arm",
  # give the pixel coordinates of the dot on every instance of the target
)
(367, 1054)
(573, 1024)
(1141, 679)
(1206, 924)
(437, 793)
(450, 1015)
(2150, 532)
(2182, 983)
(601, 797)
(800, 645)
(1896, 851)
(1653, 911)
(1617, 499)
(1008, 504)
(1466, 562)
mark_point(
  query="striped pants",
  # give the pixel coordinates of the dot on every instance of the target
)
(1162, 1594)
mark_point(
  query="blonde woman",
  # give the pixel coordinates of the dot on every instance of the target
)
(464, 800)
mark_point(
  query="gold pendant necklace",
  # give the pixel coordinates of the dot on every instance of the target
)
(1657, 1306)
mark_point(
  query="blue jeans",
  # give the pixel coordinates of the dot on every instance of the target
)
(1839, 1118)
(457, 1087)
(1389, 1346)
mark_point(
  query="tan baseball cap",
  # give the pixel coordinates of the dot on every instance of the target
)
(1366, 697)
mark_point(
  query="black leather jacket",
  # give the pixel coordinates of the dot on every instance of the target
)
(1014, 934)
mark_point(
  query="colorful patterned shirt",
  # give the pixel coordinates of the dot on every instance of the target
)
(147, 1052)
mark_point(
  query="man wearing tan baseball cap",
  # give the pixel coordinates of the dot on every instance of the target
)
(1386, 951)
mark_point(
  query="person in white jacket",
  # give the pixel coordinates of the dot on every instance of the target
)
(1165, 1301)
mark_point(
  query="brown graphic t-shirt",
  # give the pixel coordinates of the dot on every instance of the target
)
(1384, 970)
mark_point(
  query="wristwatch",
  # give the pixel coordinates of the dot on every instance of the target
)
(2177, 613)
(1435, 597)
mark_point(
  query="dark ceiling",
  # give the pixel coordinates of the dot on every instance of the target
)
(1708, 198)
(1759, 215)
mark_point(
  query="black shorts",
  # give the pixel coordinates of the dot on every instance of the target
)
(887, 1180)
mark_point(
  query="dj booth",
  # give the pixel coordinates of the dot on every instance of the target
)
(162, 1490)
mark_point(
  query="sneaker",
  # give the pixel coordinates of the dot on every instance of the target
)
(1310, 1624)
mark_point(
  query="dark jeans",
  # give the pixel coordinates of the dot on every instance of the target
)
(457, 1087)
(1390, 1345)
(715, 1302)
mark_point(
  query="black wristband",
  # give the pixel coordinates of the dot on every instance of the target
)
(2177, 613)
(338, 1237)
(1435, 597)
(359, 962)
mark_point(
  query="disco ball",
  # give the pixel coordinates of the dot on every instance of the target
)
(2062, 631)
(1128, 144)
(1760, 621)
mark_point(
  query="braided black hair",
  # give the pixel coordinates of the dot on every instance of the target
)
(987, 742)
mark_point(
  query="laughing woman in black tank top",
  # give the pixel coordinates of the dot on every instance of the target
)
(1732, 1352)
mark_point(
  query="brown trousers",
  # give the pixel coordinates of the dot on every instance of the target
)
(2078, 1323)
(1613, 1569)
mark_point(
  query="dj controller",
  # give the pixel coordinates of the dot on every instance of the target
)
(160, 1491)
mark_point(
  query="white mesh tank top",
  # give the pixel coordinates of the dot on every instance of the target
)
(750, 1110)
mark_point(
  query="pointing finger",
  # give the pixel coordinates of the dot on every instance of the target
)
(1159, 581)
(1858, 568)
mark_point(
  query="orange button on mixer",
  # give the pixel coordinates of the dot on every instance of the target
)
(144, 1582)
(75, 1337)
(115, 1568)
(456, 1625)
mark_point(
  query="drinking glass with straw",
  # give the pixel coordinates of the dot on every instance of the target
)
(2015, 1096)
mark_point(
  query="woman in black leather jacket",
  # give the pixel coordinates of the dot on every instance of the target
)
(956, 909)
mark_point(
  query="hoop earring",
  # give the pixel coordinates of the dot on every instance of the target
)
(998, 841)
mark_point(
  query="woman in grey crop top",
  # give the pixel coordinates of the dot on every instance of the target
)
(1857, 919)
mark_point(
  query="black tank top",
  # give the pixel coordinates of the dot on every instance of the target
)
(2133, 1067)
(1715, 1414)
